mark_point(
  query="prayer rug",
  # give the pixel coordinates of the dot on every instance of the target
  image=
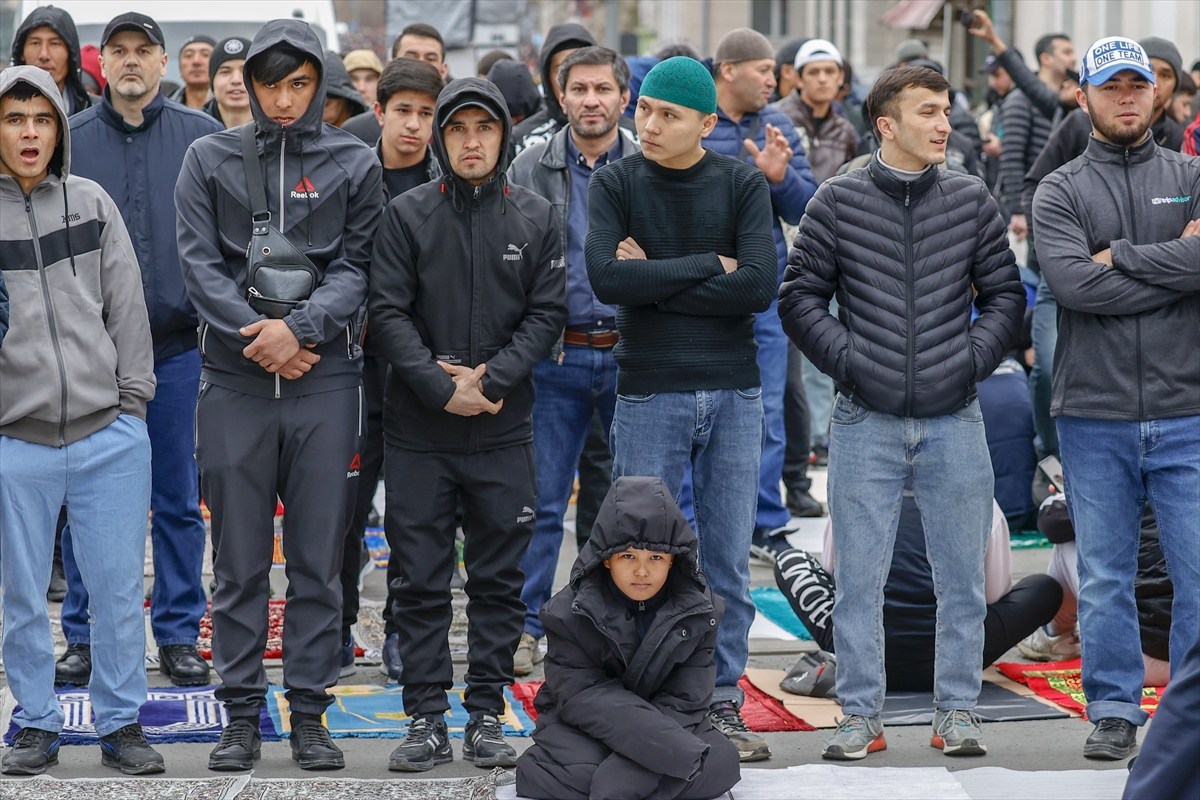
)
(370, 711)
(274, 632)
(168, 716)
(246, 787)
(377, 546)
(774, 606)
(1062, 683)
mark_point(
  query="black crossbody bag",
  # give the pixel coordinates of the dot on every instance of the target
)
(278, 276)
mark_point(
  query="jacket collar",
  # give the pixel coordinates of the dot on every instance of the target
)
(896, 187)
(149, 113)
(1109, 153)
(555, 154)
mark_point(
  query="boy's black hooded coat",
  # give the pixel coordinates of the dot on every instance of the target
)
(620, 717)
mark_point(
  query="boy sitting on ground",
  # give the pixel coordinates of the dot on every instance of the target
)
(629, 670)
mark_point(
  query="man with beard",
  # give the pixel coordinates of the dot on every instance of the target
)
(1119, 241)
(132, 143)
(580, 378)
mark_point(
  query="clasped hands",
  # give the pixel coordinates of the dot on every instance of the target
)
(276, 349)
(468, 399)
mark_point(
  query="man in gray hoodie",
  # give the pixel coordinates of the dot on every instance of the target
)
(76, 372)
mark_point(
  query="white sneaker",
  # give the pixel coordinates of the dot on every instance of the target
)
(1041, 646)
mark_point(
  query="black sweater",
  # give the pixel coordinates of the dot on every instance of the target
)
(685, 324)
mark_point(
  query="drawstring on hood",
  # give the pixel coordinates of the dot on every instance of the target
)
(466, 93)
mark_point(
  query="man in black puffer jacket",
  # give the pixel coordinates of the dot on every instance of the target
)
(906, 247)
(629, 681)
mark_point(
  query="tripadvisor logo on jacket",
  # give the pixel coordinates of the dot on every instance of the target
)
(304, 190)
(1162, 201)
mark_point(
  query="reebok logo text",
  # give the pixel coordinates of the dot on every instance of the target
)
(304, 191)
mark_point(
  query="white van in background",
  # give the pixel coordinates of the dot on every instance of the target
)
(181, 20)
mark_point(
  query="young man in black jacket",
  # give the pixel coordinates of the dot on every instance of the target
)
(468, 293)
(280, 406)
(1119, 241)
(630, 672)
(908, 248)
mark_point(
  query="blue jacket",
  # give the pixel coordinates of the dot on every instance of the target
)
(138, 169)
(791, 195)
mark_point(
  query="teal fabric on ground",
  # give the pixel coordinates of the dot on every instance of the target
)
(1026, 540)
(775, 607)
(683, 81)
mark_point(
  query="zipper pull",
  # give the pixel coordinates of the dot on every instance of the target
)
(641, 605)
(28, 207)
(907, 191)
(477, 191)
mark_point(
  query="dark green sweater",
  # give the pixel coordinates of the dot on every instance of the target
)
(685, 324)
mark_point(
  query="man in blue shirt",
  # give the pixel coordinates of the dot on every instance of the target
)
(580, 377)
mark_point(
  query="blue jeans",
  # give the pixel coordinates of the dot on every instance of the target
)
(871, 456)
(1041, 390)
(104, 480)
(1111, 467)
(177, 601)
(567, 395)
(719, 433)
(772, 367)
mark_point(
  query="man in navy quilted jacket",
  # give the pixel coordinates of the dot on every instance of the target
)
(907, 247)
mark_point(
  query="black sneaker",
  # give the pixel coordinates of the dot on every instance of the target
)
(727, 719)
(1112, 740)
(74, 667)
(803, 504)
(313, 748)
(32, 751)
(348, 667)
(483, 743)
(426, 745)
(58, 583)
(127, 750)
(183, 664)
(767, 543)
(239, 748)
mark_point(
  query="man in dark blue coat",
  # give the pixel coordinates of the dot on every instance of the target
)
(132, 143)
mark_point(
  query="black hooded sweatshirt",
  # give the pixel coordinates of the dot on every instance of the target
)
(73, 90)
(516, 84)
(465, 275)
(338, 84)
(540, 126)
(643, 698)
(325, 194)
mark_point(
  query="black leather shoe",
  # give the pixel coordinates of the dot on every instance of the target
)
(391, 657)
(183, 664)
(1112, 740)
(313, 748)
(74, 667)
(58, 583)
(32, 751)
(424, 747)
(126, 749)
(239, 748)
(803, 504)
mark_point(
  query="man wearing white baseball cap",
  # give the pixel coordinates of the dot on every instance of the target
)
(829, 140)
(1119, 241)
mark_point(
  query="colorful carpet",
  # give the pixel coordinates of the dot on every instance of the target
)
(774, 606)
(1062, 683)
(367, 711)
(168, 716)
(274, 647)
(1027, 540)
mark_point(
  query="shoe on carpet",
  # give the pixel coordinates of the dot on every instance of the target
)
(348, 667)
(58, 583)
(814, 675)
(727, 719)
(803, 504)
(956, 733)
(528, 653)
(1111, 740)
(483, 743)
(391, 657)
(854, 737)
(32, 751)
(126, 749)
(74, 667)
(1041, 646)
(424, 747)
(239, 748)
(311, 745)
(183, 664)
(767, 543)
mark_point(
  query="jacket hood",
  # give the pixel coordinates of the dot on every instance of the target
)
(470, 92)
(638, 512)
(37, 77)
(62, 24)
(338, 84)
(294, 33)
(516, 84)
(568, 34)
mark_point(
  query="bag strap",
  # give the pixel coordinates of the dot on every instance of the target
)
(751, 132)
(260, 216)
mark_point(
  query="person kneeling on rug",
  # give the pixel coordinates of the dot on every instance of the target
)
(629, 669)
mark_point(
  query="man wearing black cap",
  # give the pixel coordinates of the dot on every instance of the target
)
(132, 143)
(193, 68)
(468, 293)
(230, 103)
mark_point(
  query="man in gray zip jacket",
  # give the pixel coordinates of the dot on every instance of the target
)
(76, 373)
(1119, 243)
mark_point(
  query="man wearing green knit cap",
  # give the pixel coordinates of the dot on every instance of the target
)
(679, 239)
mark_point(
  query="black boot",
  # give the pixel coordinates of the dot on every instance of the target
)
(483, 743)
(183, 664)
(74, 667)
(127, 750)
(32, 751)
(311, 745)
(239, 748)
(426, 745)
(1112, 740)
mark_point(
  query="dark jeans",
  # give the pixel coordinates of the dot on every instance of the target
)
(595, 477)
(177, 601)
(497, 489)
(797, 426)
(370, 465)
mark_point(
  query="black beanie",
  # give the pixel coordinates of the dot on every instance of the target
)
(226, 50)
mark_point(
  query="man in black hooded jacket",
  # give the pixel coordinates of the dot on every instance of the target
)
(561, 41)
(468, 293)
(47, 39)
(280, 406)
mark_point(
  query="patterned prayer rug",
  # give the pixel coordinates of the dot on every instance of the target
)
(1062, 683)
(274, 632)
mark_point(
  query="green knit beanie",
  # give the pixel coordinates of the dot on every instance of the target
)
(683, 81)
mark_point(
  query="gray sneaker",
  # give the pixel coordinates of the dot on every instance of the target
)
(727, 719)
(854, 738)
(957, 733)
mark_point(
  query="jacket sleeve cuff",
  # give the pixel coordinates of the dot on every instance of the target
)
(133, 405)
(290, 321)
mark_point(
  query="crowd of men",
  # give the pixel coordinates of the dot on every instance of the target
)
(300, 273)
